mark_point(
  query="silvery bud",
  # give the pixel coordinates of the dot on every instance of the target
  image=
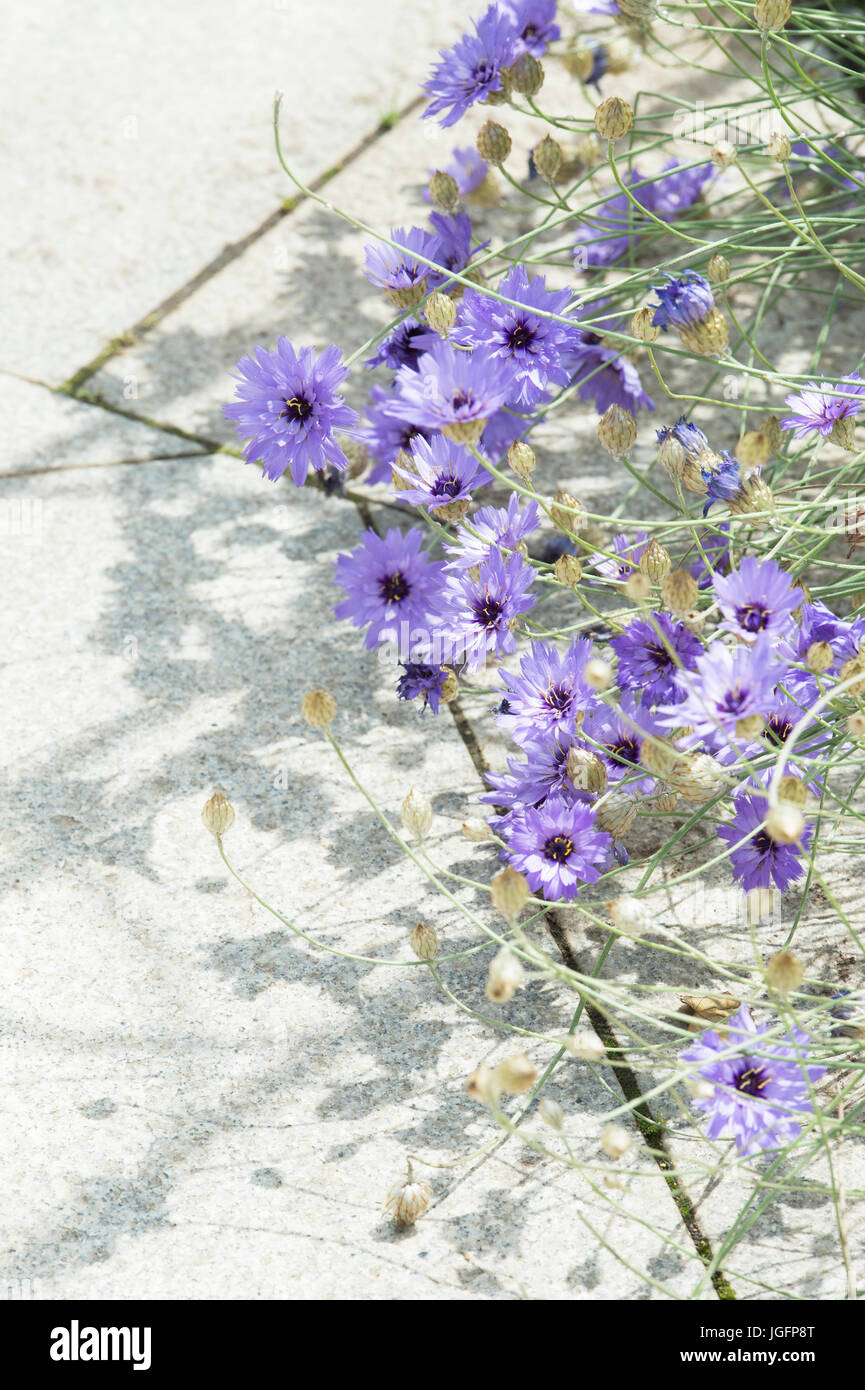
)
(504, 977)
(793, 789)
(617, 815)
(509, 892)
(779, 147)
(617, 431)
(642, 326)
(718, 269)
(424, 941)
(785, 823)
(477, 831)
(443, 191)
(819, 657)
(440, 313)
(587, 771)
(568, 570)
(318, 708)
(655, 561)
(551, 1112)
(515, 1075)
(679, 591)
(784, 972)
(522, 459)
(527, 75)
(584, 1044)
(630, 915)
(772, 15)
(615, 1140)
(547, 158)
(218, 815)
(566, 512)
(408, 1201)
(416, 814)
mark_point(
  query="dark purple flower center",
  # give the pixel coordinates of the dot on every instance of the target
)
(394, 587)
(520, 336)
(484, 71)
(734, 701)
(753, 617)
(297, 408)
(659, 656)
(488, 611)
(462, 398)
(777, 730)
(558, 697)
(627, 750)
(558, 848)
(752, 1081)
(763, 843)
(446, 485)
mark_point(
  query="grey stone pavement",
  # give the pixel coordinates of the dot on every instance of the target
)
(197, 1104)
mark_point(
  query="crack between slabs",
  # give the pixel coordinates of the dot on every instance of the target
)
(230, 252)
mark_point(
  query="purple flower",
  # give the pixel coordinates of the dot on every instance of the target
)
(454, 234)
(533, 347)
(472, 69)
(628, 554)
(604, 376)
(397, 267)
(385, 434)
(820, 407)
(529, 781)
(534, 21)
(729, 684)
(493, 526)
(393, 588)
(675, 189)
(819, 624)
(716, 548)
(692, 439)
(453, 391)
(651, 652)
(502, 429)
(444, 473)
(758, 597)
(724, 483)
(558, 847)
(549, 691)
(686, 301)
(467, 169)
(617, 737)
(761, 861)
(759, 1085)
(403, 345)
(288, 409)
(606, 232)
(481, 612)
(418, 680)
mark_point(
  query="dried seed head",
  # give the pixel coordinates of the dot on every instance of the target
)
(843, 433)
(792, 789)
(724, 154)
(566, 512)
(477, 831)
(450, 689)
(613, 118)
(424, 941)
(617, 431)
(638, 587)
(409, 297)
(771, 428)
(642, 326)
(493, 142)
(597, 674)
(590, 151)
(698, 777)
(659, 756)
(584, 1044)
(318, 708)
(515, 1075)
(551, 1112)
(672, 457)
(819, 657)
(850, 670)
(718, 269)
(408, 1201)
(357, 454)
(504, 976)
(453, 511)
(655, 561)
(464, 431)
(587, 771)
(443, 191)
(779, 146)
(218, 815)
(784, 972)
(785, 823)
(522, 459)
(630, 915)
(620, 55)
(579, 60)
(750, 727)
(753, 449)
(482, 1084)
(617, 815)
(665, 800)
(679, 591)
(639, 10)
(440, 313)
(710, 338)
(568, 570)
(709, 1008)
(547, 158)
(509, 892)
(527, 75)
(855, 725)
(772, 15)
(615, 1140)
(416, 814)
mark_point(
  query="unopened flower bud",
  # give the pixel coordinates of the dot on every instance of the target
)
(819, 657)
(218, 815)
(615, 1140)
(522, 459)
(710, 337)
(408, 1201)
(638, 587)
(617, 815)
(547, 158)
(597, 674)
(630, 915)
(515, 1075)
(642, 326)
(504, 977)
(655, 561)
(784, 972)
(444, 192)
(785, 823)
(679, 591)
(566, 512)
(698, 777)
(718, 269)
(551, 1112)
(527, 75)
(416, 814)
(750, 727)
(658, 756)
(724, 154)
(843, 433)
(587, 771)
(493, 142)
(793, 789)
(617, 431)
(450, 688)
(613, 118)
(850, 670)
(779, 146)
(772, 15)
(753, 449)
(482, 1084)
(424, 941)
(509, 892)
(579, 60)
(568, 570)
(440, 312)
(855, 725)
(318, 708)
(771, 429)
(584, 1044)
(641, 11)
(666, 800)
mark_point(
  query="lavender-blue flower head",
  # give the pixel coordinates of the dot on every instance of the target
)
(386, 433)
(686, 301)
(499, 527)
(558, 847)
(443, 474)
(728, 685)
(452, 391)
(650, 653)
(421, 680)
(289, 408)
(757, 597)
(821, 407)
(472, 69)
(481, 611)
(393, 589)
(761, 861)
(534, 23)
(398, 268)
(549, 691)
(403, 345)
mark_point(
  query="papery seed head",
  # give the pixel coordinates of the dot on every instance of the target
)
(440, 313)
(659, 756)
(710, 338)
(464, 431)
(855, 724)
(504, 976)
(416, 814)
(843, 433)
(698, 777)
(819, 657)
(753, 449)
(619, 54)
(409, 297)
(850, 670)
(584, 1044)
(642, 326)
(477, 831)
(522, 459)
(493, 142)
(424, 941)
(615, 1140)
(551, 1112)
(630, 915)
(547, 157)
(509, 892)
(655, 561)
(587, 771)
(792, 789)
(638, 587)
(450, 688)
(679, 591)
(772, 15)
(527, 75)
(567, 512)
(597, 674)
(724, 154)
(779, 147)
(613, 118)
(515, 1075)
(671, 457)
(617, 815)
(784, 972)
(218, 815)
(318, 708)
(568, 570)
(785, 823)
(482, 1084)
(444, 192)
(408, 1201)
(617, 431)
(771, 428)
(718, 269)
